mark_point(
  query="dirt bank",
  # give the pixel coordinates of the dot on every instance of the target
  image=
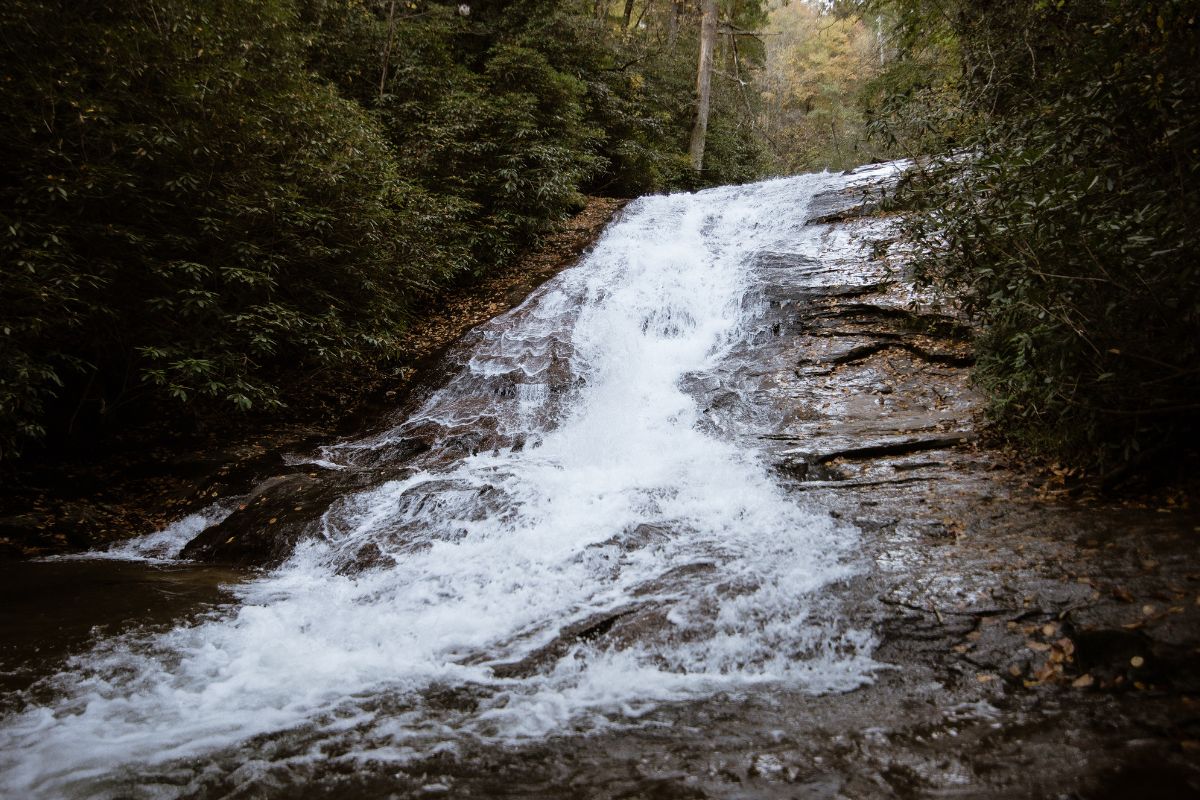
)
(138, 481)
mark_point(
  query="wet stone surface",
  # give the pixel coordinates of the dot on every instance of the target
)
(1030, 647)
(1025, 646)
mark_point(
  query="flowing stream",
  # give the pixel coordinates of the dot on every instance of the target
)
(587, 540)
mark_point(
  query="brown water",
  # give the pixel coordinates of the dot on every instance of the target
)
(50, 610)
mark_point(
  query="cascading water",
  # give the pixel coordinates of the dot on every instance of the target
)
(581, 544)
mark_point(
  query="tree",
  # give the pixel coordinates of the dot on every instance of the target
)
(704, 68)
(204, 204)
(1060, 208)
(818, 62)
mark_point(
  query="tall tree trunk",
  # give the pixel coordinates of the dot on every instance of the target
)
(628, 14)
(387, 50)
(708, 37)
(673, 22)
(637, 24)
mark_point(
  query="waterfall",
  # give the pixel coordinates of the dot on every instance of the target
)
(583, 544)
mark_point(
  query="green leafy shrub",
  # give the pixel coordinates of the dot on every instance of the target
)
(205, 201)
(184, 211)
(1066, 221)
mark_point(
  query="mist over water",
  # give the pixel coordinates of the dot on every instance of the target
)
(582, 543)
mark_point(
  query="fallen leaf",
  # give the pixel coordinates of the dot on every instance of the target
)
(1047, 672)
(1136, 662)
(1037, 647)
(983, 677)
(1083, 682)
(1124, 596)
(1049, 629)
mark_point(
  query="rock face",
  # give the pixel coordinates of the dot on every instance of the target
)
(276, 515)
(1036, 646)
(1042, 647)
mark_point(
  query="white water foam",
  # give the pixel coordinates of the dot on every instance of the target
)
(161, 546)
(599, 497)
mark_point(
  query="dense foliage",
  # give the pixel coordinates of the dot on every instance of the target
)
(1063, 208)
(818, 62)
(204, 202)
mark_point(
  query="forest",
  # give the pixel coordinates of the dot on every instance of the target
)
(606, 399)
(208, 204)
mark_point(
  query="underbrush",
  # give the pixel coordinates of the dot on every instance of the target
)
(1063, 217)
(203, 202)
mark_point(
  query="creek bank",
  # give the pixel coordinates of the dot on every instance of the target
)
(139, 482)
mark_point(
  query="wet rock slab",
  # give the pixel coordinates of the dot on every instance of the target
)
(1029, 646)
(1036, 647)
